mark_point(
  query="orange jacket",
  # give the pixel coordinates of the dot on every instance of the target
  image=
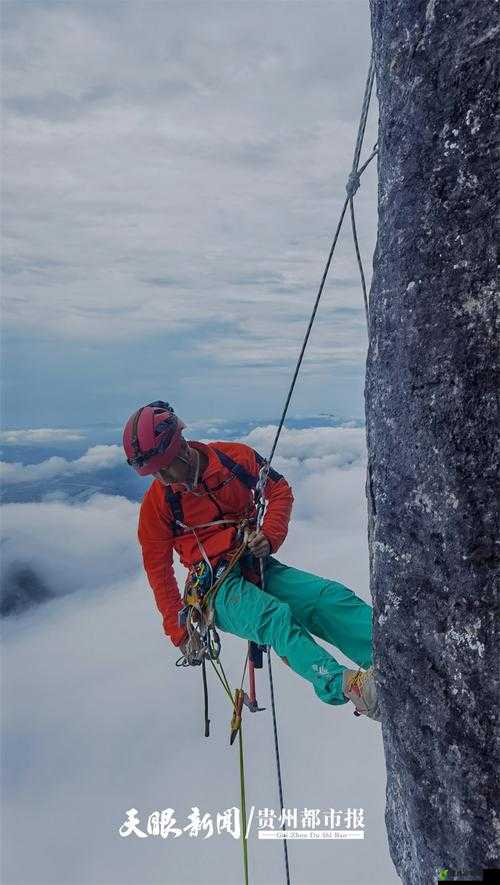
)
(156, 534)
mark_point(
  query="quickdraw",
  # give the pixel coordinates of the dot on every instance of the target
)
(203, 641)
(197, 614)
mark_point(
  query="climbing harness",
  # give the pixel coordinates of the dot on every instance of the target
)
(204, 581)
(238, 471)
(197, 614)
(208, 581)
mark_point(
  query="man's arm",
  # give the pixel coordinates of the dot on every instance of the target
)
(156, 540)
(279, 497)
(279, 510)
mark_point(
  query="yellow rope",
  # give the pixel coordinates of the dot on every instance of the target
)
(243, 807)
(219, 671)
(243, 802)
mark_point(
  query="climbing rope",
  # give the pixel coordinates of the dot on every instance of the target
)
(354, 177)
(352, 186)
(278, 761)
(219, 670)
(356, 244)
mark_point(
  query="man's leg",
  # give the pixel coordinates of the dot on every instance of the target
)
(245, 610)
(326, 608)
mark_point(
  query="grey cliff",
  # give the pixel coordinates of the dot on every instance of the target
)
(432, 423)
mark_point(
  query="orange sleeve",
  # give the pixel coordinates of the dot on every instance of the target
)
(279, 499)
(279, 496)
(156, 539)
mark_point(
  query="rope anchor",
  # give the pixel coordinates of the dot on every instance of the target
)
(353, 183)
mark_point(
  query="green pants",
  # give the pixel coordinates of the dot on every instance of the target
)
(296, 604)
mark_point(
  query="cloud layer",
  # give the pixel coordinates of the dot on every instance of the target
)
(96, 458)
(97, 719)
(40, 435)
(71, 547)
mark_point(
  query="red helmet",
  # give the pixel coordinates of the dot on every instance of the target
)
(152, 437)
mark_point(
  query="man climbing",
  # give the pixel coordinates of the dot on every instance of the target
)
(201, 494)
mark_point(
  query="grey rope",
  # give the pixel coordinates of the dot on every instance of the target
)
(276, 742)
(354, 177)
(278, 764)
(362, 121)
(356, 244)
(360, 263)
(351, 188)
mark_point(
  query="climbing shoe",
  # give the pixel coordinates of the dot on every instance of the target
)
(359, 687)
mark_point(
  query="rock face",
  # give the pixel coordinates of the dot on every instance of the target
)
(432, 424)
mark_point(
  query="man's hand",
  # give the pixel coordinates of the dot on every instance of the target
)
(258, 544)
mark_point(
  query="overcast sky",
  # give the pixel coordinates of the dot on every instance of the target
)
(173, 174)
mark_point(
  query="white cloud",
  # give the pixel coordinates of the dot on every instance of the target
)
(197, 157)
(42, 435)
(95, 458)
(97, 719)
(71, 546)
(341, 445)
(328, 446)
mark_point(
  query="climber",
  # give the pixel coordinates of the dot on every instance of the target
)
(199, 494)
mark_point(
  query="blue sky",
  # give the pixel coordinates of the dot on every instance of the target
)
(173, 176)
